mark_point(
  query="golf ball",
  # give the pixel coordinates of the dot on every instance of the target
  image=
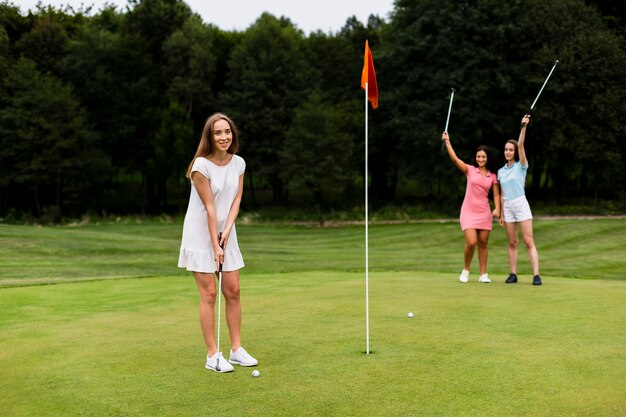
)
(410, 315)
(255, 373)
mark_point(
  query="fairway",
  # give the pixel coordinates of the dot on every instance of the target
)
(97, 346)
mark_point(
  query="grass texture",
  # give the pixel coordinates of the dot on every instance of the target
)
(588, 249)
(96, 346)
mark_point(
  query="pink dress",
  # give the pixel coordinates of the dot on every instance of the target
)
(475, 211)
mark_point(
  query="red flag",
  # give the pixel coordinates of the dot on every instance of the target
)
(369, 76)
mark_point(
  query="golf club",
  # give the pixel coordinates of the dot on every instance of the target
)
(544, 84)
(219, 307)
(448, 118)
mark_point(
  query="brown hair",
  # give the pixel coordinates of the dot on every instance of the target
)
(490, 163)
(206, 147)
(514, 142)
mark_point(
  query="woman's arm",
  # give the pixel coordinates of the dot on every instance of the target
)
(502, 208)
(496, 200)
(459, 164)
(203, 186)
(233, 213)
(520, 141)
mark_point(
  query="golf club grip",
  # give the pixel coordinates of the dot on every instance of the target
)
(219, 239)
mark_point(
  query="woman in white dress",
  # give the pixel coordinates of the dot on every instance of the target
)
(209, 235)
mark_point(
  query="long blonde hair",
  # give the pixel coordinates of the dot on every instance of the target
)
(206, 147)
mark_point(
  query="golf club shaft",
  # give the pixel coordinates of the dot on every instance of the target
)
(219, 306)
(544, 84)
(448, 118)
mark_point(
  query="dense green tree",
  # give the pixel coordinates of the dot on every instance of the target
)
(109, 18)
(497, 58)
(191, 65)
(336, 67)
(155, 21)
(318, 152)
(356, 32)
(45, 44)
(46, 146)
(5, 57)
(614, 13)
(13, 21)
(109, 76)
(429, 47)
(147, 27)
(172, 143)
(578, 134)
(134, 86)
(267, 80)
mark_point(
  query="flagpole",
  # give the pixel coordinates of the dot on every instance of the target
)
(367, 295)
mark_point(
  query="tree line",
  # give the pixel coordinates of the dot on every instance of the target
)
(102, 111)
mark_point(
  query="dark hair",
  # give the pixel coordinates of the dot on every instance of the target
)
(206, 147)
(514, 142)
(491, 166)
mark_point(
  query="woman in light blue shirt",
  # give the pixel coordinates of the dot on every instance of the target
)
(516, 210)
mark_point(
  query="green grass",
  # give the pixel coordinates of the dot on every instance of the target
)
(132, 347)
(589, 249)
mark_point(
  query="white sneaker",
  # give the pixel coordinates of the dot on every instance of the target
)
(212, 363)
(464, 277)
(241, 357)
(484, 278)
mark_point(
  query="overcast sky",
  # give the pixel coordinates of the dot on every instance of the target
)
(308, 15)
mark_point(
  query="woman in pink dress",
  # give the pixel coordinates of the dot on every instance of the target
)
(476, 214)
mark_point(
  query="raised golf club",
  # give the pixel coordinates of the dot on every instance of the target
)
(544, 84)
(449, 111)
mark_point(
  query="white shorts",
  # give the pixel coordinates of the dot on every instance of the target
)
(517, 210)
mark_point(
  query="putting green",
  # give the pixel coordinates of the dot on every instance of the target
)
(133, 348)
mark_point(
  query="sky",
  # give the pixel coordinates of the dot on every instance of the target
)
(307, 15)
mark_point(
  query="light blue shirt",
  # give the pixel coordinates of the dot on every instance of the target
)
(512, 180)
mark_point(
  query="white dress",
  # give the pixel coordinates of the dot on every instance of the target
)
(196, 250)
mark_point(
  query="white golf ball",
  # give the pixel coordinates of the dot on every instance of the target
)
(410, 315)
(255, 373)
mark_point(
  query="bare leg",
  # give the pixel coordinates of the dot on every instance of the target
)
(511, 232)
(230, 288)
(471, 239)
(206, 288)
(483, 250)
(527, 234)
